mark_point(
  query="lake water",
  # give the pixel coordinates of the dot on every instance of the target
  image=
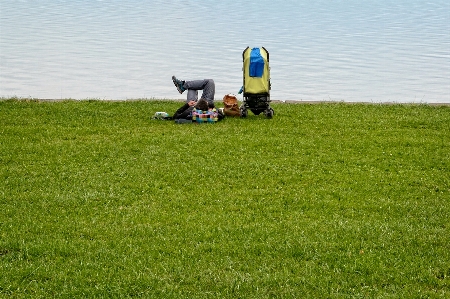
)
(335, 50)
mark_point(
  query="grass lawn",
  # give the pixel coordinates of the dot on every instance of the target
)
(322, 201)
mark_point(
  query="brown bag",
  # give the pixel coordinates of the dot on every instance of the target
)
(230, 106)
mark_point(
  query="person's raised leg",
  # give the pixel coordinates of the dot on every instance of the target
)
(207, 85)
(192, 95)
(209, 91)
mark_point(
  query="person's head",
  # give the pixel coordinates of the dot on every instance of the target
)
(202, 104)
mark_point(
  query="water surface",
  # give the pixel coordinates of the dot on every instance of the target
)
(368, 51)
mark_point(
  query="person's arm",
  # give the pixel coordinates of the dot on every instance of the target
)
(184, 111)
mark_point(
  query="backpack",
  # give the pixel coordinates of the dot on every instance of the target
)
(230, 104)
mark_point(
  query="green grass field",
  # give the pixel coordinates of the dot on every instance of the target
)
(322, 201)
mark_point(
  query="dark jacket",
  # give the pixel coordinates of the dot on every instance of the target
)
(185, 112)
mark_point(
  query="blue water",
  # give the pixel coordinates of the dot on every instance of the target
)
(363, 51)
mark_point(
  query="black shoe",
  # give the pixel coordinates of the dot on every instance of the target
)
(178, 84)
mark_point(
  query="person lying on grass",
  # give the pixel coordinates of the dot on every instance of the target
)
(199, 112)
(185, 111)
(207, 86)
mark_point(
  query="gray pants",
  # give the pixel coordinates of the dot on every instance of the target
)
(208, 87)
